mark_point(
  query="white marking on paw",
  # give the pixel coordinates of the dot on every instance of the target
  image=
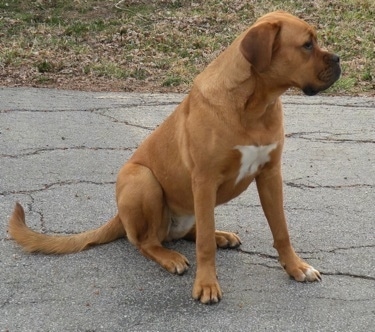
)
(311, 273)
(252, 158)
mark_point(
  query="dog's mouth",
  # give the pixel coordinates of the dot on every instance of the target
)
(327, 77)
(310, 91)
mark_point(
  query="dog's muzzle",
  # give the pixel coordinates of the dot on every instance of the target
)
(328, 76)
(333, 70)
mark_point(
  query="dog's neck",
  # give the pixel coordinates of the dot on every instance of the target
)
(232, 79)
(225, 77)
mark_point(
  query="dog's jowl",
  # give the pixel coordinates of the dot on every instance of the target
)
(227, 132)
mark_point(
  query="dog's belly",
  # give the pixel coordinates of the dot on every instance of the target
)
(252, 158)
(180, 226)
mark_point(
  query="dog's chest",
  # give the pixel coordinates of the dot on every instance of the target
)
(253, 157)
(180, 226)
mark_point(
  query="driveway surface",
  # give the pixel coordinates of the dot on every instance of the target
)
(60, 152)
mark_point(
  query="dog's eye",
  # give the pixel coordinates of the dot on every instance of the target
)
(308, 46)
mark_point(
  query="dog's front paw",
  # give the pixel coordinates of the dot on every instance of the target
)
(207, 292)
(302, 271)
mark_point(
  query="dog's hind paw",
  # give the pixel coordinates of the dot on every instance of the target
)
(227, 240)
(169, 259)
(176, 263)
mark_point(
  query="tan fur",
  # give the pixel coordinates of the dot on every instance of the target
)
(32, 241)
(190, 163)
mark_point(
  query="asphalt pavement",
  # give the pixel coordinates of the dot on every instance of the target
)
(60, 152)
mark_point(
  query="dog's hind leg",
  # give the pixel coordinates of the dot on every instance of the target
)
(143, 212)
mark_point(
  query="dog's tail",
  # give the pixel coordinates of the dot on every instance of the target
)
(32, 241)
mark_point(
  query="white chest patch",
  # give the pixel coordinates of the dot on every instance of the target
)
(252, 158)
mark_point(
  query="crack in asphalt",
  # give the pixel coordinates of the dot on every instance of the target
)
(142, 103)
(8, 300)
(328, 273)
(127, 123)
(341, 186)
(45, 150)
(342, 300)
(346, 274)
(41, 215)
(54, 184)
(24, 110)
(303, 134)
(93, 109)
(334, 250)
(257, 253)
(336, 103)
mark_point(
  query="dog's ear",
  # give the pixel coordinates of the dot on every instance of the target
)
(259, 43)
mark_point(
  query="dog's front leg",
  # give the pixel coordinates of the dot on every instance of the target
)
(269, 184)
(206, 287)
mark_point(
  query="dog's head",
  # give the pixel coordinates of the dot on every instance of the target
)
(283, 49)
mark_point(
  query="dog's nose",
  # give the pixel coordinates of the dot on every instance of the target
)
(335, 58)
(331, 58)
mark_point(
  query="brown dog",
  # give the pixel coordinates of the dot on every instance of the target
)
(227, 132)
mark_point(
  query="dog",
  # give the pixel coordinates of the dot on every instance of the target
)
(227, 132)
